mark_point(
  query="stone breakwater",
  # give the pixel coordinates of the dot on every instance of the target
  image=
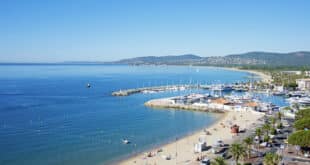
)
(128, 92)
(167, 103)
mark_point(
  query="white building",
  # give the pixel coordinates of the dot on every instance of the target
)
(303, 84)
(292, 72)
(307, 73)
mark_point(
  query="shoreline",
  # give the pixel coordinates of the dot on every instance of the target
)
(184, 147)
(185, 153)
(264, 77)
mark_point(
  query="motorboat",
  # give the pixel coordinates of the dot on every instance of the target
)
(125, 141)
(223, 88)
(88, 85)
(305, 101)
(278, 93)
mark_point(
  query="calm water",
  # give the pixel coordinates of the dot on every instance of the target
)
(48, 116)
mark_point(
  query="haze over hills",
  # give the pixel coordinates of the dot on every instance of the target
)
(301, 58)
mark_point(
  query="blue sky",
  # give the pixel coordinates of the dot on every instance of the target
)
(104, 30)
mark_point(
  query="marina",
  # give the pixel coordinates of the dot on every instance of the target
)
(213, 87)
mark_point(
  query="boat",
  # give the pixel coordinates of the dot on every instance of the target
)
(223, 88)
(88, 85)
(305, 101)
(125, 141)
(278, 93)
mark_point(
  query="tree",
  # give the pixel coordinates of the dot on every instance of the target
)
(237, 151)
(279, 125)
(279, 115)
(271, 159)
(266, 128)
(273, 131)
(300, 138)
(266, 138)
(273, 121)
(303, 123)
(248, 142)
(218, 161)
(258, 132)
(304, 113)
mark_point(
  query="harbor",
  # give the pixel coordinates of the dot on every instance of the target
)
(157, 89)
(218, 104)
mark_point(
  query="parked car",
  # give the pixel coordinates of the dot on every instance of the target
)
(205, 161)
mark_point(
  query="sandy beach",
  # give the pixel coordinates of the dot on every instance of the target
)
(264, 77)
(182, 150)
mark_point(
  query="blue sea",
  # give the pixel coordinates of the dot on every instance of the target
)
(48, 116)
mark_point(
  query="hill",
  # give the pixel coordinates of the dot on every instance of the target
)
(301, 58)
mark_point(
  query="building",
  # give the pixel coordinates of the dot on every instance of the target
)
(303, 84)
(292, 72)
(307, 73)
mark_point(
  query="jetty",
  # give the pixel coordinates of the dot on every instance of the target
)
(157, 89)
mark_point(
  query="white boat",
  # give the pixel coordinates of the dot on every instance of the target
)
(88, 85)
(224, 88)
(125, 141)
(305, 101)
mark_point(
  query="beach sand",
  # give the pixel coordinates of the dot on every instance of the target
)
(264, 77)
(182, 150)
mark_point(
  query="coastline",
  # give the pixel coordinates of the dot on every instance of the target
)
(182, 150)
(264, 77)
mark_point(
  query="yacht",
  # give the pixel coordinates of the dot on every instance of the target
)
(224, 88)
(305, 101)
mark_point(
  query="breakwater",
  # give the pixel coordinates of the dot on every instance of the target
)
(168, 103)
(128, 92)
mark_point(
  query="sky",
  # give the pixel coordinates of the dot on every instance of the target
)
(107, 30)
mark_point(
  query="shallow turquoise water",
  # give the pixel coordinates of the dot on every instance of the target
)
(48, 116)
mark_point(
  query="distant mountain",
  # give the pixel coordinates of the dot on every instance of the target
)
(169, 60)
(301, 58)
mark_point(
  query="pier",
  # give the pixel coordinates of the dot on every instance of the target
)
(156, 89)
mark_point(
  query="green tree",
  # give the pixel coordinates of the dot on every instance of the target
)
(279, 116)
(218, 161)
(300, 138)
(273, 121)
(273, 131)
(248, 142)
(303, 123)
(271, 159)
(258, 132)
(279, 125)
(304, 113)
(266, 138)
(266, 128)
(237, 151)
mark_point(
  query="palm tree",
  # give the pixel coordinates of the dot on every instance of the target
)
(271, 159)
(218, 161)
(273, 121)
(279, 116)
(237, 151)
(266, 128)
(258, 133)
(248, 142)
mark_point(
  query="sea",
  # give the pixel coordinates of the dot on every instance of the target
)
(48, 116)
